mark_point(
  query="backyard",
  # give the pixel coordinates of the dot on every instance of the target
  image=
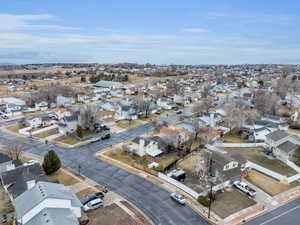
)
(15, 128)
(230, 202)
(266, 183)
(233, 138)
(256, 155)
(6, 207)
(189, 165)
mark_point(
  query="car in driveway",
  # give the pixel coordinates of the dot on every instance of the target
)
(91, 197)
(178, 198)
(30, 162)
(93, 204)
(242, 186)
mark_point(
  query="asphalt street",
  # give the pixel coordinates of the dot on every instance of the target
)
(288, 214)
(153, 200)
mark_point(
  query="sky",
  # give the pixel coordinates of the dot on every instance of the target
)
(156, 31)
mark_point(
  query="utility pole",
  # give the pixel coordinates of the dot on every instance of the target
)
(79, 167)
(211, 186)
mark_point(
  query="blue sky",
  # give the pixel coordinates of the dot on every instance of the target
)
(161, 32)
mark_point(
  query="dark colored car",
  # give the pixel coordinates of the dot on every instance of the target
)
(105, 136)
(91, 197)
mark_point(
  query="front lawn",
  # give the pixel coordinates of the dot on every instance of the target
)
(230, 202)
(67, 140)
(46, 133)
(125, 124)
(83, 193)
(266, 183)
(15, 128)
(120, 155)
(63, 178)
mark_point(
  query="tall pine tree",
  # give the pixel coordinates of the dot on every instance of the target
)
(51, 162)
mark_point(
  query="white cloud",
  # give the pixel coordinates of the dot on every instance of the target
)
(13, 22)
(195, 30)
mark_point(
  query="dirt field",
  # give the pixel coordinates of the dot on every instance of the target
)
(231, 201)
(266, 183)
(257, 156)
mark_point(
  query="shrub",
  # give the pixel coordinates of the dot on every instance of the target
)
(51, 162)
(79, 131)
(203, 201)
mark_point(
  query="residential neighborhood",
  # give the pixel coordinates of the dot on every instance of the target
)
(224, 147)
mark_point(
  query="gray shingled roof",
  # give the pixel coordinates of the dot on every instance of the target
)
(4, 158)
(40, 192)
(53, 216)
(17, 179)
(287, 147)
(277, 135)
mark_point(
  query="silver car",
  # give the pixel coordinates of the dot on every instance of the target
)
(178, 198)
(93, 204)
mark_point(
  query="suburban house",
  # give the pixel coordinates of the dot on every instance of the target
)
(46, 203)
(43, 105)
(83, 98)
(126, 112)
(68, 124)
(210, 119)
(108, 84)
(12, 106)
(64, 101)
(6, 163)
(147, 146)
(22, 178)
(165, 103)
(282, 144)
(227, 167)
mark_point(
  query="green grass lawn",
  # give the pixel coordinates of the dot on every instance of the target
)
(46, 133)
(67, 140)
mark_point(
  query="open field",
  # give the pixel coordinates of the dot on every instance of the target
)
(230, 202)
(233, 138)
(257, 156)
(266, 183)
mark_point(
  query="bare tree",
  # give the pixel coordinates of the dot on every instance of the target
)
(90, 116)
(282, 87)
(266, 102)
(14, 149)
(143, 104)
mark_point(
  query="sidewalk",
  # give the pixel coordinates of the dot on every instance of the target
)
(259, 209)
(201, 210)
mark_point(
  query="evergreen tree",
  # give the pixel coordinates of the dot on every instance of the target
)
(79, 131)
(51, 162)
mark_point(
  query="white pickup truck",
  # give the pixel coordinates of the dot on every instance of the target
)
(244, 188)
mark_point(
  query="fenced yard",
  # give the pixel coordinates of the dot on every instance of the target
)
(256, 155)
(266, 183)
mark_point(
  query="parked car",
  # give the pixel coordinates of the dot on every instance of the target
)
(158, 113)
(244, 188)
(178, 198)
(92, 196)
(178, 112)
(30, 162)
(93, 204)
